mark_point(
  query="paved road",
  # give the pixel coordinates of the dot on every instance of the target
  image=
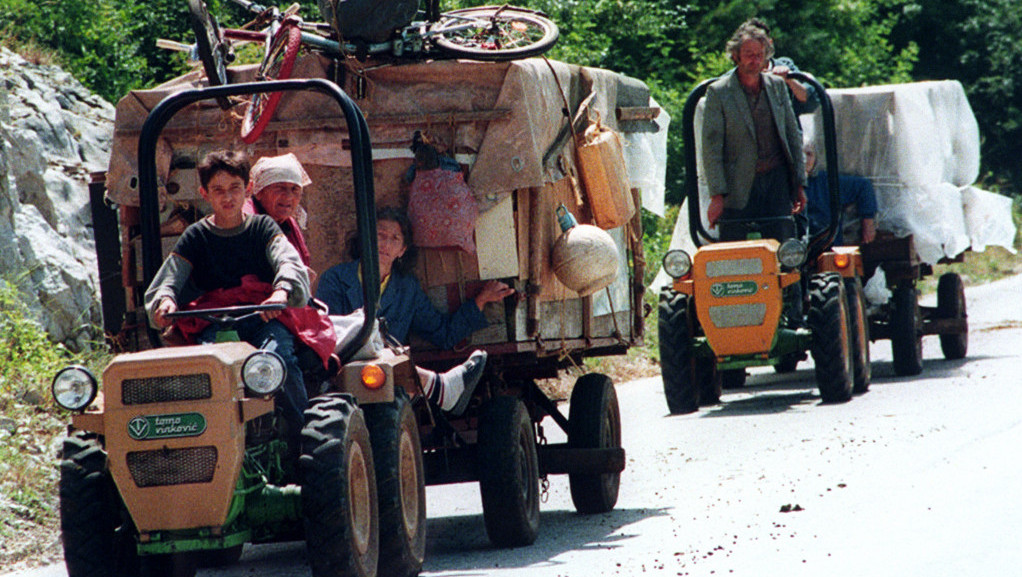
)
(917, 477)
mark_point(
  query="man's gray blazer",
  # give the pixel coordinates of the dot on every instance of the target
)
(729, 138)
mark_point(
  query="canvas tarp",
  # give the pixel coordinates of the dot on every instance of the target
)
(502, 119)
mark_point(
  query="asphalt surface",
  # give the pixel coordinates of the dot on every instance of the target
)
(919, 476)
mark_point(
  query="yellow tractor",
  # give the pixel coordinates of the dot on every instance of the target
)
(730, 304)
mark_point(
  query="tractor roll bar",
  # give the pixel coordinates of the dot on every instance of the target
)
(700, 236)
(362, 174)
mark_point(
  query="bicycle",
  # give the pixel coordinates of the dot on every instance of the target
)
(487, 33)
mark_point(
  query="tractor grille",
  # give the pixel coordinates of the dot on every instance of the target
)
(743, 266)
(748, 315)
(162, 467)
(165, 389)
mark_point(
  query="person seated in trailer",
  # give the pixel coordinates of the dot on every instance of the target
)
(855, 192)
(278, 183)
(406, 307)
(233, 258)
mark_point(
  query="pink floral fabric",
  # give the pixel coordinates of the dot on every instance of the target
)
(443, 210)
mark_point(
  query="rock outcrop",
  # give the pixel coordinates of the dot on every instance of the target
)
(53, 134)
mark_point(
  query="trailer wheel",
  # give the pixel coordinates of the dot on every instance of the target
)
(689, 381)
(508, 472)
(906, 333)
(400, 483)
(339, 504)
(951, 305)
(862, 372)
(831, 341)
(98, 536)
(594, 422)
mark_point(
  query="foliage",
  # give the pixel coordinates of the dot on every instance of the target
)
(27, 357)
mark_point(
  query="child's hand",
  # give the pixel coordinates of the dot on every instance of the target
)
(279, 296)
(160, 314)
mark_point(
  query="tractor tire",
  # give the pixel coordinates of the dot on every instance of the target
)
(688, 381)
(862, 372)
(400, 484)
(906, 331)
(339, 505)
(594, 422)
(508, 472)
(951, 305)
(98, 536)
(831, 345)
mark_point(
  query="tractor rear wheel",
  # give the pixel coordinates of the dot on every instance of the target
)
(862, 372)
(400, 483)
(831, 338)
(339, 503)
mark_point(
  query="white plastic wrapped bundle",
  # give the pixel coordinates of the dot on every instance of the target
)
(932, 213)
(988, 219)
(917, 133)
(919, 145)
(646, 161)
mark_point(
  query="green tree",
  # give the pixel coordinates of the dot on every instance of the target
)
(976, 43)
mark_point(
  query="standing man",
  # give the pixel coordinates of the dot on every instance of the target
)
(751, 142)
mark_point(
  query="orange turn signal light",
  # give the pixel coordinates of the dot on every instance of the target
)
(373, 376)
(842, 260)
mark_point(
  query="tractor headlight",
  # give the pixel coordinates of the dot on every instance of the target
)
(677, 263)
(74, 388)
(263, 372)
(792, 253)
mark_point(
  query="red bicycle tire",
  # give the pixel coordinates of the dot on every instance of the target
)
(277, 65)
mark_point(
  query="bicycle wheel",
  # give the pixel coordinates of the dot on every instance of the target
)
(277, 65)
(214, 53)
(494, 33)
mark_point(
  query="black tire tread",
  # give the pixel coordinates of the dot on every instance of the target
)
(333, 423)
(862, 371)
(906, 333)
(511, 519)
(90, 513)
(830, 346)
(401, 555)
(675, 337)
(591, 398)
(951, 305)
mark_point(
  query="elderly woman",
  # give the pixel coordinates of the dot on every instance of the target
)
(277, 186)
(406, 307)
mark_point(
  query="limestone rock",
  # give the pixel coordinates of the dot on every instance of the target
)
(53, 133)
